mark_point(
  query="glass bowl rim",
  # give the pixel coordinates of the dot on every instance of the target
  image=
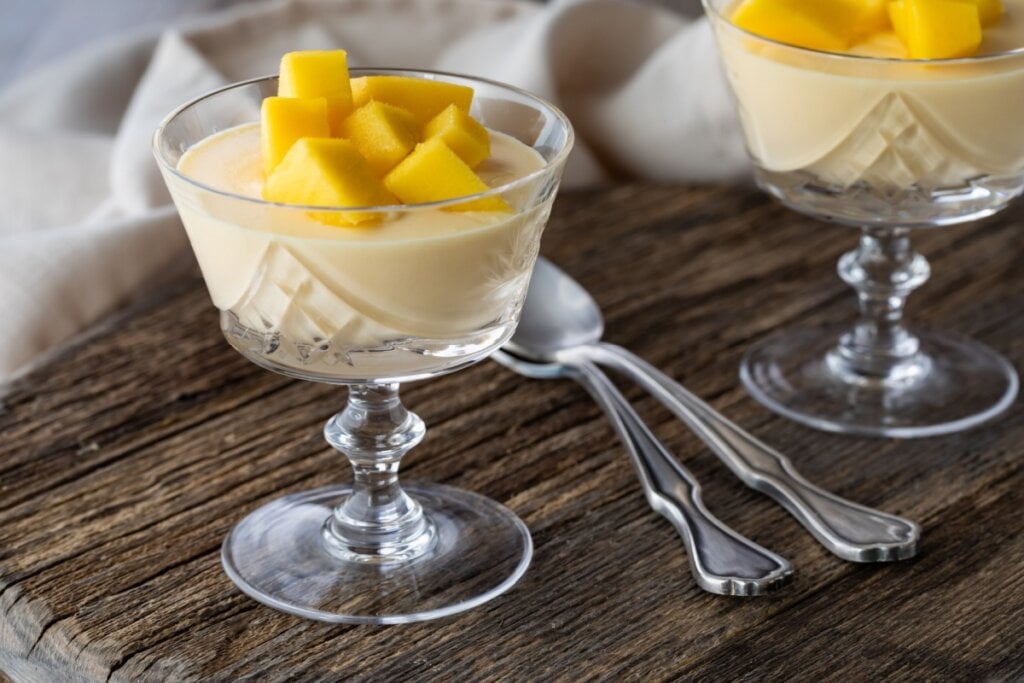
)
(547, 168)
(710, 8)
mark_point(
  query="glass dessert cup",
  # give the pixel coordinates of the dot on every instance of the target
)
(887, 146)
(342, 306)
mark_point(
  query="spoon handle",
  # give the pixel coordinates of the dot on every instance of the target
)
(722, 561)
(853, 532)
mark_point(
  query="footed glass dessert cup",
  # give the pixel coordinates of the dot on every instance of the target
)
(887, 146)
(427, 291)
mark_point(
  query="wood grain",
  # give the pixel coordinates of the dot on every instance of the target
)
(128, 457)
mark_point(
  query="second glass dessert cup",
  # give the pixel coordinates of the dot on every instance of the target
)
(370, 309)
(887, 146)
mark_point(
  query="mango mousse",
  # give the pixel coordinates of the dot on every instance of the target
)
(314, 284)
(903, 115)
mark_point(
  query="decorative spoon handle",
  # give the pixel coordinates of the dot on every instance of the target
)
(853, 532)
(722, 560)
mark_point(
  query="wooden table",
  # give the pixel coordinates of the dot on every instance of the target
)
(128, 457)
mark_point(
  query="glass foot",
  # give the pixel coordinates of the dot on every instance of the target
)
(477, 549)
(953, 384)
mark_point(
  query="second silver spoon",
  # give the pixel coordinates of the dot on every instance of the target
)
(722, 560)
(562, 322)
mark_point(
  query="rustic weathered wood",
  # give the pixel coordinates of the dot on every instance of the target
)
(127, 458)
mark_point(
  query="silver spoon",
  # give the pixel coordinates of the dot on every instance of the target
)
(562, 323)
(722, 560)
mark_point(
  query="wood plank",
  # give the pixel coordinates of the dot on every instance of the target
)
(128, 458)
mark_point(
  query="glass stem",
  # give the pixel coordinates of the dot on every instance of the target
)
(378, 523)
(884, 269)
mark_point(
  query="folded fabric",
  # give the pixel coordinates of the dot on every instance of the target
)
(87, 222)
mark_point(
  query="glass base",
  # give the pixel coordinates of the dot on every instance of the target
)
(953, 384)
(278, 556)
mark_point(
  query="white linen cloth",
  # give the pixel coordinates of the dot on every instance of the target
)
(86, 222)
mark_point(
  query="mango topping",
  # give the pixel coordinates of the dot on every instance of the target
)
(462, 133)
(928, 29)
(283, 120)
(937, 29)
(328, 172)
(989, 11)
(827, 25)
(319, 73)
(369, 142)
(872, 17)
(900, 21)
(433, 173)
(424, 98)
(383, 133)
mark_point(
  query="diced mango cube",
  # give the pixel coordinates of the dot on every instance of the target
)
(433, 173)
(873, 17)
(462, 133)
(283, 120)
(328, 172)
(937, 29)
(424, 98)
(319, 73)
(989, 11)
(383, 133)
(900, 20)
(816, 24)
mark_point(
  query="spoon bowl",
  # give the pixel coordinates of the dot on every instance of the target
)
(558, 314)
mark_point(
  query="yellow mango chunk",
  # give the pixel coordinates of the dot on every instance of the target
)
(424, 98)
(462, 133)
(815, 24)
(900, 20)
(989, 11)
(283, 120)
(328, 172)
(383, 133)
(937, 29)
(433, 173)
(873, 17)
(318, 73)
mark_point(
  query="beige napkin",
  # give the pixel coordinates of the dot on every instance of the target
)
(87, 223)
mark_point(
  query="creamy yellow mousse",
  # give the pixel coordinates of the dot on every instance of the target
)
(888, 121)
(420, 273)
(319, 230)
